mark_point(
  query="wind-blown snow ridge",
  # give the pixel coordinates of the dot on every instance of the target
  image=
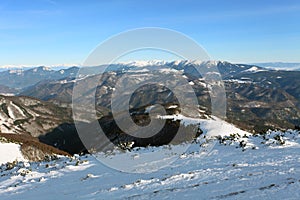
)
(25, 67)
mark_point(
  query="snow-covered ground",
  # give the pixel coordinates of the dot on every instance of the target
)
(10, 152)
(265, 167)
(213, 126)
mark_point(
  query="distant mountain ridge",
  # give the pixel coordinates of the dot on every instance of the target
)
(20, 79)
(258, 99)
(280, 65)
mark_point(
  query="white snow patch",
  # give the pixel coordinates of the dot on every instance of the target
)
(254, 69)
(10, 152)
(143, 63)
(10, 112)
(168, 70)
(238, 81)
(7, 94)
(139, 70)
(211, 127)
(20, 111)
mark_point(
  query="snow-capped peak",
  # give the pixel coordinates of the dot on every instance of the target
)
(254, 69)
(41, 68)
(144, 63)
(209, 63)
(46, 68)
(16, 71)
(186, 62)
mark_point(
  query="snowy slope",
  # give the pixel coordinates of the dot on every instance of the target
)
(211, 127)
(263, 170)
(20, 114)
(10, 152)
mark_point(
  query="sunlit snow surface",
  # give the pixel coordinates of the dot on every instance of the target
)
(10, 152)
(263, 169)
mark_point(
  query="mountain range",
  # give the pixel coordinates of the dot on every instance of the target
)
(262, 98)
(258, 99)
(20, 79)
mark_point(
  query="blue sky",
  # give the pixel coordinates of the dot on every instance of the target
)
(49, 32)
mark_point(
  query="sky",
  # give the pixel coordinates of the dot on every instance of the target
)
(51, 32)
